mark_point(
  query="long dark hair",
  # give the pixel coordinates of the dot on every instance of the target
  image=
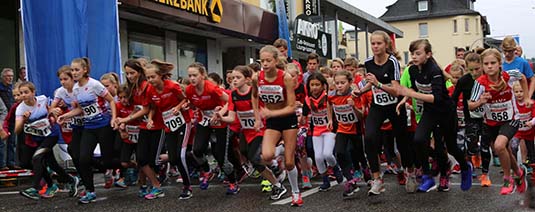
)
(133, 86)
(323, 81)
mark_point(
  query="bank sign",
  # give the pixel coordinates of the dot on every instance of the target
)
(213, 9)
(309, 38)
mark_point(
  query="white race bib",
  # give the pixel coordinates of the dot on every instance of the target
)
(460, 118)
(319, 118)
(206, 116)
(271, 94)
(171, 121)
(409, 121)
(91, 110)
(345, 114)
(247, 119)
(523, 118)
(40, 127)
(477, 113)
(381, 97)
(133, 133)
(500, 112)
(77, 121)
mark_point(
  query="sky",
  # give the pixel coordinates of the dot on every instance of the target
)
(499, 13)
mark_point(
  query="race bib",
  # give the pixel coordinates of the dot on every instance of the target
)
(173, 122)
(206, 116)
(409, 121)
(477, 113)
(523, 118)
(500, 111)
(40, 127)
(246, 119)
(67, 126)
(271, 94)
(138, 108)
(419, 109)
(319, 118)
(77, 121)
(91, 110)
(133, 133)
(345, 114)
(381, 97)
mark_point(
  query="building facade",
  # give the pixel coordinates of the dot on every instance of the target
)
(448, 25)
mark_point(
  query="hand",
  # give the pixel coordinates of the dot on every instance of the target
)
(61, 103)
(330, 125)
(61, 120)
(3, 135)
(529, 103)
(258, 125)
(56, 111)
(371, 79)
(216, 118)
(529, 124)
(185, 106)
(123, 134)
(265, 113)
(150, 124)
(113, 123)
(408, 106)
(122, 126)
(120, 121)
(26, 115)
(485, 97)
(398, 107)
(350, 101)
(176, 111)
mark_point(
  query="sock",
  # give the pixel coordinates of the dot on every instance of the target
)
(292, 176)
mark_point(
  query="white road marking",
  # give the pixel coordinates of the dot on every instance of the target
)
(303, 195)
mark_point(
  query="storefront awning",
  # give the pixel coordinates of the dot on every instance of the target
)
(356, 17)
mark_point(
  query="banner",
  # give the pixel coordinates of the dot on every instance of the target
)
(55, 32)
(284, 31)
(309, 38)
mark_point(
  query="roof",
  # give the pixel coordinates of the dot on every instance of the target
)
(403, 10)
(354, 16)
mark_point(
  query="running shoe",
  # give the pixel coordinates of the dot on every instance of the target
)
(338, 174)
(444, 184)
(306, 182)
(108, 179)
(233, 189)
(350, 188)
(43, 188)
(508, 187)
(496, 162)
(428, 184)
(520, 180)
(326, 183)
(466, 177)
(143, 190)
(456, 169)
(297, 201)
(391, 169)
(187, 193)
(528, 168)
(173, 172)
(412, 184)
(358, 175)
(485, 180)
(155, 193)
(278, 192)
(204, 181)
(31, 193)
(377, 187)
(179, 179)
(266, 186)
(330, 172)
(402, 179)
(73, 186)
(88, 198)
(50, 191)
(120, 183)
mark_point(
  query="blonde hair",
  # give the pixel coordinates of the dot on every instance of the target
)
(457, 67)
(508, 43)
(112, 77)
(389, 47)
(326, 70)
(291, 67)
(516, 84)
(338, 60)
(459, 62)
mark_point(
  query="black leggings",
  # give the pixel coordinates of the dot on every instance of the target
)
(447, 123)
(90, 137)
(252, 152)
(357, 154)
(176, 143)
(25, 152)
(74, 147)
(346, 145)
(376, 117)
(223, 149)
(43, 158)
(387, 142)
(150, 144)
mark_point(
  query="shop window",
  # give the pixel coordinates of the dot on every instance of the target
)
(189, 52)
(145, 46)
(423, 30)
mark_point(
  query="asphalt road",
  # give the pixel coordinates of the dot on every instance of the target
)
(251, 199)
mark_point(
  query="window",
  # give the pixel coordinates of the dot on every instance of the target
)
(423, 30)
(477, 25)
(422, 6)
(467, 25)
(454, 26)
(406, 57)
(145, 46)
(470, 4)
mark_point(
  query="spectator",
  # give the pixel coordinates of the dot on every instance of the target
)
(6, 96)
(513, 63)
(22, 75)
(312, 66)
(459, 54)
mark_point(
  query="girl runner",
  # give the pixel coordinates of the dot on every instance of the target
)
(210, 99)
(240, 104)
(275, 89)
(151, 133)
(168, 98)
(128, 132)
(500, 108)
(316, 105)
(383, 79)
(111, 82)
(427, 85)
(99, 120)
(32, 117)
(523, 139)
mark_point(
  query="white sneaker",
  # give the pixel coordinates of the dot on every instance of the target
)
(377, 187)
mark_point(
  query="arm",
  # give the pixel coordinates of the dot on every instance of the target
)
(111, 102)
(329, 116)
(3, 111)
(19, 124)
(254, 102)
(134, 116)
(524, 84)
(230, 117)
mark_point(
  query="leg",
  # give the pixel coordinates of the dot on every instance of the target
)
(87, 147)
(375, 119)
(200, 145)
